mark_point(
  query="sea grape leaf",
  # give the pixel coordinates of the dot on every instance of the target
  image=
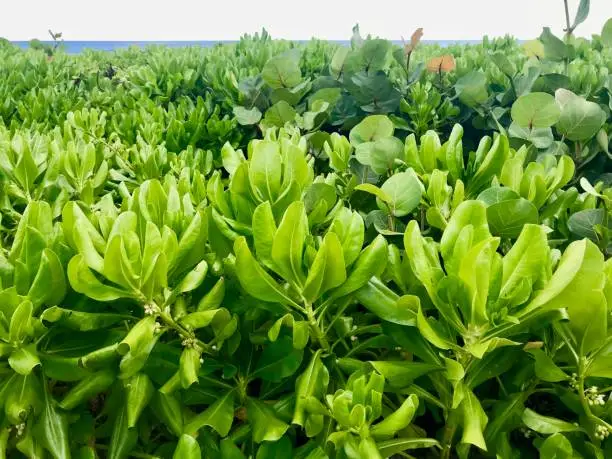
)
(536, 110)
(580, 119)
(283, 70)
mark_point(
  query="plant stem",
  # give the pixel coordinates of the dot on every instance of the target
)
(568, 28)
(169, 322)
(315, 329)
(449, 433)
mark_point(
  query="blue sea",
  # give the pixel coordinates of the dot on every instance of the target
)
(75, 47)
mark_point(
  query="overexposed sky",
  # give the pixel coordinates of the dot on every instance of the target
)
(293, 19)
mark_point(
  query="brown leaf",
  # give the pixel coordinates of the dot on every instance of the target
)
(444, 63)
(414, 41)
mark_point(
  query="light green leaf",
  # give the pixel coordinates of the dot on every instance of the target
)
(219, 416)
(547, 425)
(264, 422)
(474, 421)
(398, 420)
(254, 279)
(536, 110)
(283, 70)
(245, 116)
(403, 191)
(556, 447)
(288, 244)
(187, 448)
(371, 128)
(580, 119)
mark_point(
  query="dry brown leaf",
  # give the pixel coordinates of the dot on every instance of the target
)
(416, 37)
(444, 63)
(414, 41)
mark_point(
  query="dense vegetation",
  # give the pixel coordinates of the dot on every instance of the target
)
(274, 249)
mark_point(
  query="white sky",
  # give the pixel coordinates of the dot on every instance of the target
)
(293, 19)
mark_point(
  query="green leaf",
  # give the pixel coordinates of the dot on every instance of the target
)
(312, 383)
(283, 70)
(139, 391)
(288, 244)
(554, 48)
(402, 374)
(265, 170)
(81, 321)
(21, 322)
(507, 218)
(398, 420)
(254, 279)
(582, 13)
(328, 269)
(219, 416)
(88, 388)
(189, 366)
(536, 110)
(231, 158)
(577, 285)
(278, 360)
(545, 367)
(123, 439)
(389, 448)
(84, 281)
(49, 285)
(471, 88)
(170, 411)
(274, 450)
(245, 116)
(373, 189)
(279, 114)
(474, 420)
(580, 119)
(504, 64)
(187, 448)
(52, 429)
(403, 191)
(24, 359)
(556, 447)
(386, 304)
(371, 262)
(336, 65)
(583, 222)
(265, 424)
(371, 128)
(381, 155)
(194, 278)
(547, 425)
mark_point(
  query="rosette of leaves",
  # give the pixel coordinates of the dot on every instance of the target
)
(31, 279)
(361, 425)
(316, 274)
(89, 123)
(29, 171)
(198, 124)
(474, 317)
(140, 162)
(426, 108)
(277, 171)
(152, 254)
(530, 193)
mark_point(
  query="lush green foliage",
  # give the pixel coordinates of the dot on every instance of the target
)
(274, 250)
